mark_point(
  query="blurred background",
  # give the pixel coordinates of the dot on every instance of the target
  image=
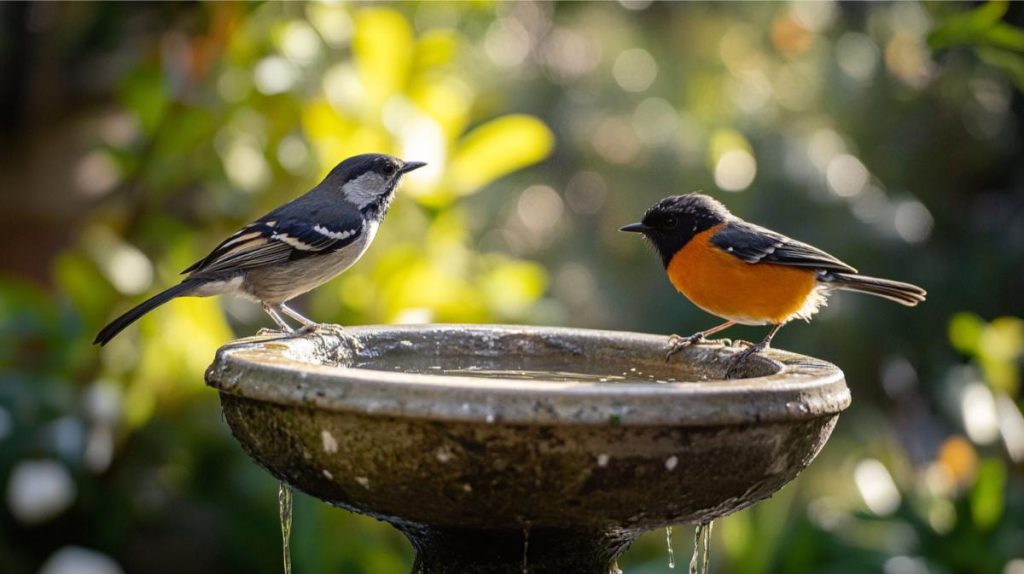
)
(133, 137)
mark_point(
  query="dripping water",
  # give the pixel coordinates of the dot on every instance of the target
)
(707, 547)
(701, 541)
(696, 548)
(668, 542)
(526, 546)
(284, 508)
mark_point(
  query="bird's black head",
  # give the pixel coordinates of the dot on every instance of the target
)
(368, 181)
(673, 221)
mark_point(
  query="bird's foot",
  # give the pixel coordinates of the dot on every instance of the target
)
(677, 343)
(268, 331)
(739, 358)
(326, 329)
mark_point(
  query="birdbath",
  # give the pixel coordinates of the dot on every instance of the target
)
(504, 449)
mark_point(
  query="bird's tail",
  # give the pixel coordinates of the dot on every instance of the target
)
(133, 315)
(902, 293)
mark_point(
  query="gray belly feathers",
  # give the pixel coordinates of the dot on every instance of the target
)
(278, 283)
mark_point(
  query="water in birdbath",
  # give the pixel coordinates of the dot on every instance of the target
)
(701, 541)
(284, 508)
(534, 369)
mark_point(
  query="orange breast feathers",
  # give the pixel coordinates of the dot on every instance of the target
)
(748, 293)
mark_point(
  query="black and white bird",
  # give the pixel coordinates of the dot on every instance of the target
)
(294, 248)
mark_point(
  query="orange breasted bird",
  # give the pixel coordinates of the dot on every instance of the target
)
(747, 274)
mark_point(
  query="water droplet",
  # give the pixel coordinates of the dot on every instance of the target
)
(330, 443)
(796, 408)
(284, 509)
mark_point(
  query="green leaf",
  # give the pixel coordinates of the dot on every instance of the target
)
(968, 27)
(1005, 36)
(497, 148)
(146, 94)
(965, 331)
(987, 495)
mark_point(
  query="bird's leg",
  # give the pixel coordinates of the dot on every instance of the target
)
(307, 324)
(754, 349)
(272, 310)
(677, 343)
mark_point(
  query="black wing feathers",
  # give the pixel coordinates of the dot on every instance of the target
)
(755, 244)
(285, 234)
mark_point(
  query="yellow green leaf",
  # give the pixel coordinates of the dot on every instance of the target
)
(987, 494)
(965, 331)
(497, 148)
(512, 287)
(383, 47)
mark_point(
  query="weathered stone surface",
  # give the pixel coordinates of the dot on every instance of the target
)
(464, 466)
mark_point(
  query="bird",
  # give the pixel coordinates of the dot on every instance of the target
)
(745, 273)
(294, 248)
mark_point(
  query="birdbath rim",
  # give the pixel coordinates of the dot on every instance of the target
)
(317, 370)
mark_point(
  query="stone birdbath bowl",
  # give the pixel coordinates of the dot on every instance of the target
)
(501, 449)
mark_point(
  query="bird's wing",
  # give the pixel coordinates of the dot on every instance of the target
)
(279, 237)
(755, 244)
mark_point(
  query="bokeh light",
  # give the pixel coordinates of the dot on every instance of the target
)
(135, 139)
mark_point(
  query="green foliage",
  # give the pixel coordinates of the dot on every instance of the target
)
(859, 128)
(996, 42)
(987, 495)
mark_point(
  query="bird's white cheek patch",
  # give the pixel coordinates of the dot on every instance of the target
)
(365, 189)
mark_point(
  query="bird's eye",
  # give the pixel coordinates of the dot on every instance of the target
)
(390, 168)
(670, 222)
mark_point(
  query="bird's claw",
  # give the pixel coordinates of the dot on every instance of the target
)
(741, 357)
(677, 343)
(328, 329)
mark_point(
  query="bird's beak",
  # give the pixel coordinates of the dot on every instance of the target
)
(411, 165)
(635, 228)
